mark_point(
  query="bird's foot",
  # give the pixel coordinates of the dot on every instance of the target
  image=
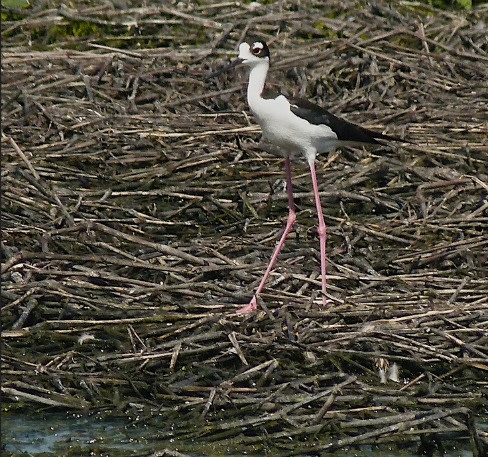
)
(253, 306)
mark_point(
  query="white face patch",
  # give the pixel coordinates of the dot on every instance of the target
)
(244, 51)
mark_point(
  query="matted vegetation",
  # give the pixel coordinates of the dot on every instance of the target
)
(139, 213)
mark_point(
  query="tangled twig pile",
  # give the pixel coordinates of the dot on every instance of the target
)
(138, 215)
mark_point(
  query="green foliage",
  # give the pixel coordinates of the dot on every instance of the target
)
(325, 31)
(76, 29)
(448, 4)
(15, 4)
(12, 10)
(467, 4)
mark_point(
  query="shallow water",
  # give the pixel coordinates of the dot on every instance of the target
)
(55, 433)
(61, 434)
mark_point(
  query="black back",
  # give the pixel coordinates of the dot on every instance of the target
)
(345, 131)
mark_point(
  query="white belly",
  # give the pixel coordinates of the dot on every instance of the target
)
(289, 132)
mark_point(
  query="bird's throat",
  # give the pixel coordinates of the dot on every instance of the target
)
(257, 78)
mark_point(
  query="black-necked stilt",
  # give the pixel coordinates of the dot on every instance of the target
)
(296, 126)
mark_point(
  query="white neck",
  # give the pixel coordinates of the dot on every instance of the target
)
(257, 77)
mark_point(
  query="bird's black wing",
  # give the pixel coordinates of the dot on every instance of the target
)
(345, 131)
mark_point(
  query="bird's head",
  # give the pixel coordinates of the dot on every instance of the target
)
(254, 53)
(250, 55)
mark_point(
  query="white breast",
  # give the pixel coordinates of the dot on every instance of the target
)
(290, 132)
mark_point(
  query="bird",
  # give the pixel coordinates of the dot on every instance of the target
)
(295, 127)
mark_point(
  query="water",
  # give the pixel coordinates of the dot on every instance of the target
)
(59, 434)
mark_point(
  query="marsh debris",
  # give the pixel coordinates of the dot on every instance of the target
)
(138, 215)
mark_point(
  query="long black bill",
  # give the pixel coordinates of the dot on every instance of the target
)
(224, 69)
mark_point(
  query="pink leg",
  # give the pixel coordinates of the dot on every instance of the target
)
(322, 231)
(289, 224)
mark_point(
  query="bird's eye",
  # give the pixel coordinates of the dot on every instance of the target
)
(256, 50)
